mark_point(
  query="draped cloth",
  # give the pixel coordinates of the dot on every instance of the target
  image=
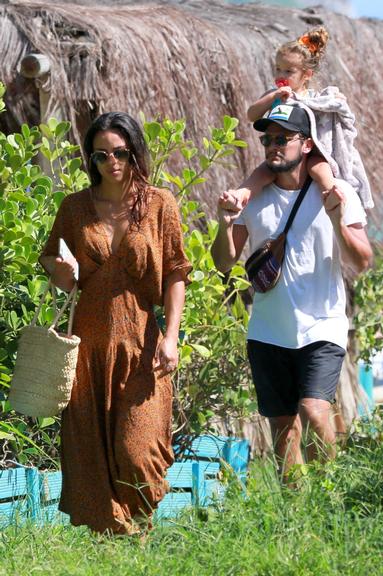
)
(334, 132)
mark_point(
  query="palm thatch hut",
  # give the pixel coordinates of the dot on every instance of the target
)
(190, 59)
(198, 60)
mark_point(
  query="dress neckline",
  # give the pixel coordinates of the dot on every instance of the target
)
(108, 240)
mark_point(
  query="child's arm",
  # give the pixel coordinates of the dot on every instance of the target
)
(236, 200)
(263, 104)
(320, 171)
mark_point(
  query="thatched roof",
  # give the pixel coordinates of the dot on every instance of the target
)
(198, 60)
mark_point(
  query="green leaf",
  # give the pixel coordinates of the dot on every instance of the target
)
(239, 143)
(74, 165)
(52, 124)
(44, 422)
(25, 131)
(6, 436)
(198, 276)
(153, 129)
(61, 129)
(202, 350)
(230, 123)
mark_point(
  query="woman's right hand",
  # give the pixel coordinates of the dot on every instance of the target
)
(63, 274)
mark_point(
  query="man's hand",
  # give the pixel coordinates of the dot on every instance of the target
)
(355, 249)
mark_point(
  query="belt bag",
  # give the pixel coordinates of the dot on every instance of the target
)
(264, 266)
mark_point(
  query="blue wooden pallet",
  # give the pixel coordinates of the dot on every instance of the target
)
(217, 455)
(26, 493)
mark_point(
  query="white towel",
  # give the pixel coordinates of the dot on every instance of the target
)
(333, 131)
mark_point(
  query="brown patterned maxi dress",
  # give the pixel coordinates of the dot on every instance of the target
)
(116, 431)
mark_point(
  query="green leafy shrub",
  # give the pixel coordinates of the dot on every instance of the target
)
(213, 375)
(368, 320)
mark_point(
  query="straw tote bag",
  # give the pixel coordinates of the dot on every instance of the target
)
(45, 364)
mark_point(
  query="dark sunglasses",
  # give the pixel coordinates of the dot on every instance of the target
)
(278, 140)
(100, 157)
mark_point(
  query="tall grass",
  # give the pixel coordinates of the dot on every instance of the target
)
(332, 524)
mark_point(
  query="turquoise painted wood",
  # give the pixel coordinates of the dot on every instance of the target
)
(50, 490)
(182, 478)
(219, 453)
(19, 498)
(27, 494)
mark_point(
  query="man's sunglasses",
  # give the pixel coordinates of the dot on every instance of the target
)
(278, 140)
(100, 157)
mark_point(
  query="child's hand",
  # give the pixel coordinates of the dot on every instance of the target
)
(283, 92)
(234, 200)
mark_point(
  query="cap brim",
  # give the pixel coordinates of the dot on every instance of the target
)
(263, 123)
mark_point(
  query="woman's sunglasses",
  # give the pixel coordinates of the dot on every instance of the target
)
(278, 140)
(100, 157)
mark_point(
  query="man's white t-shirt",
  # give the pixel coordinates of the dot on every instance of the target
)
(309, 301)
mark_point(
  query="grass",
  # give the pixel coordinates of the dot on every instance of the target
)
(331, 525)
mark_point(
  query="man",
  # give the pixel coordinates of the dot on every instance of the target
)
(297, 333)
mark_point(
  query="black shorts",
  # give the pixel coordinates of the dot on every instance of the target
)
(283, 376)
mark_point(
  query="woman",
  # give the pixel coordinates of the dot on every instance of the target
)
(126, 237)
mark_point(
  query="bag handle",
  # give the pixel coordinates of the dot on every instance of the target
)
(297, 203)
(70, 299)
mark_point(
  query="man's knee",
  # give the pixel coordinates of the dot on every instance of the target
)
(314, 409)
(285, 427)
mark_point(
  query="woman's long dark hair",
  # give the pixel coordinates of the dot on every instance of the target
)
(131, 132)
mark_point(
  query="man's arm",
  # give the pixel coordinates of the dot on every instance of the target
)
(229, 242)
(355, 248)
(352, 239)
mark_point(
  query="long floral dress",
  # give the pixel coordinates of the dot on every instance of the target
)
(116, 431)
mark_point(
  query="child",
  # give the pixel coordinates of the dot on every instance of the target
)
(295, 64)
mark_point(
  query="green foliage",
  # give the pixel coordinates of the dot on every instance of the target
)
(213, 375)
(29, 199)
(369, 319)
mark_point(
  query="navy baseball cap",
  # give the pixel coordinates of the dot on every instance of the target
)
(290, 117)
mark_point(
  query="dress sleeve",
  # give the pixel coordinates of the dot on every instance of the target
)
(173, 254)
(62, 228)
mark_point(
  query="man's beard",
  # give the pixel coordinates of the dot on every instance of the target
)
(287, 167)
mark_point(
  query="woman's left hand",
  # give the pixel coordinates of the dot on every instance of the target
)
(166, 358)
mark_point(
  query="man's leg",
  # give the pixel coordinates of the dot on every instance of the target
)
(286, 433)
(318, 368)
(318, 432)
(278, 396)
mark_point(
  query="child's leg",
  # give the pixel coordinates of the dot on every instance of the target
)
(320, 171)
(235, 200)
(258, 179)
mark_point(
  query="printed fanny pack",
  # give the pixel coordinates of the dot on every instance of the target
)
(264, 266)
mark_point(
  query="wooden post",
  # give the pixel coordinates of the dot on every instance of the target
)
(37, 67)
(33, 485)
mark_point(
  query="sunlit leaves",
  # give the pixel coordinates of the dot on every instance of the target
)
(368, 320)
